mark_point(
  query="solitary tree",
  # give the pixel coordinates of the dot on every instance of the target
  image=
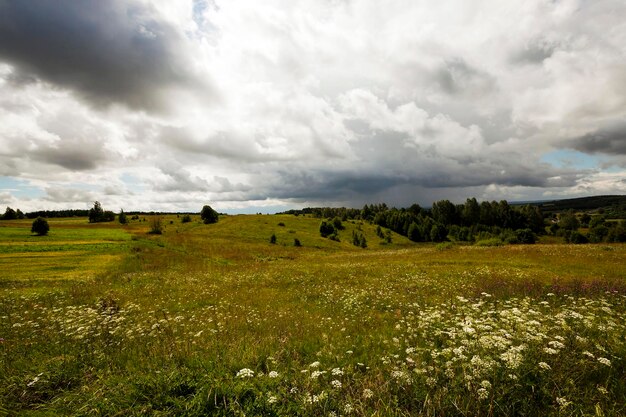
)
(209, 215)
(40, 226)
(122, 217)
(96, 213)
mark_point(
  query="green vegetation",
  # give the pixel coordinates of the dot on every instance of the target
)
(97, 214)
(208, 215)
(156, 226)
(40, 227)
(217, 321)
(122, 217)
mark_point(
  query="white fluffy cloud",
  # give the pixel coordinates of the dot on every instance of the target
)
(169, 105)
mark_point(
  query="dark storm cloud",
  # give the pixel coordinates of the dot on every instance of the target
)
(72, 154)
(357, 185)
(108, 51)
(609, 140)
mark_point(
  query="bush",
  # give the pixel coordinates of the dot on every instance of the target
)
(281, 224)
(186, 218)
(598, 234)
(40, 226)
(209, 215)
(525, 236)
(273, 239)
(444, 246)
(337, 223)
(326, 229)
(296, 243)
(576, 237)
(358, 239)
(156, 228)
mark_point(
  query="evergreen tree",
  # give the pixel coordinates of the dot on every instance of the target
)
(122, 217)
(96, 214)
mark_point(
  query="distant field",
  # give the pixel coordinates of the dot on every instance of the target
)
(214, 320)
(73, 251)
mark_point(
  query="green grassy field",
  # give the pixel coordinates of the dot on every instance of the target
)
(214, 320)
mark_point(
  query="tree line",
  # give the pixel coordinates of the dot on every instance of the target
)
(473, 222)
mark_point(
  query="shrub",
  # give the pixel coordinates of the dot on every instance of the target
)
(296, 242)
(209, 215)
(156, 228)
(281, 224)
(337, 223)
(576, 237)
(334, 237)
(273, 239)
(444, 246)
(186, 218)
(40, 226)
(598, 234)
(525, 236)
(326, 229)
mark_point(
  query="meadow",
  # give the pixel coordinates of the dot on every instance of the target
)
(105, 319)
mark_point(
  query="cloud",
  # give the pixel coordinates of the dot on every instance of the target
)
(108, 52)
(609, 140)
(69, 195)
(170, 105)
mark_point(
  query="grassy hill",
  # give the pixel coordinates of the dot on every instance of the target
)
(614, 206)
(105, 319)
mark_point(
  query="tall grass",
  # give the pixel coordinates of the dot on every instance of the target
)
(215, 320)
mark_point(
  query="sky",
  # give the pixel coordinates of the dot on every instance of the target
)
(262, 106)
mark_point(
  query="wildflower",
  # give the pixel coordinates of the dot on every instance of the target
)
(589, 354)
(316, 374)
(550, 351)
(336, 384)
(556, 344)
(271, 399)
(604, 361)
(245, 373)
(485, 384)
(603, 390)
(314, 364)
(273, 374)
(368, 393)
(562, 402)
(337, 372)
(544, 366)
(347, 408)
(483, 394)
